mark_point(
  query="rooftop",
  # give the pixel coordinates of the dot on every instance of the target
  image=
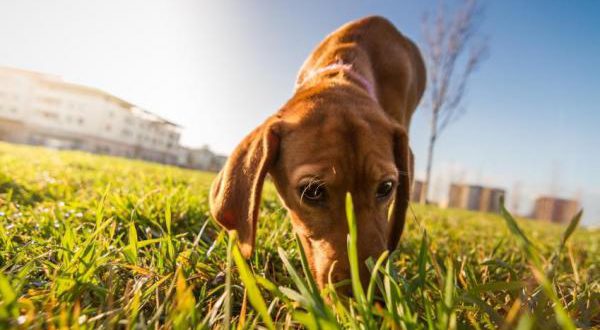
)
(58, 82)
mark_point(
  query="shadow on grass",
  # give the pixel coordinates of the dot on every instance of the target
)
(12, 191)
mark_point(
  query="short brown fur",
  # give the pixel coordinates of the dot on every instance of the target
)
(336, 130)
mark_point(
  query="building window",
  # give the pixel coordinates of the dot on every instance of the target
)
(50, 101)
(48, 114)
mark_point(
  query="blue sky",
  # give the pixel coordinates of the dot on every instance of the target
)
(220, 68)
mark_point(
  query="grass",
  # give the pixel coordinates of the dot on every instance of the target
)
(98, 242)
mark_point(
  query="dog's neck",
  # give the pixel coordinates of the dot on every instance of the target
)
(340, 67)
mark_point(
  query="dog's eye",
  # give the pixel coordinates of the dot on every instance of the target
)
(313, 192)
(384, 189)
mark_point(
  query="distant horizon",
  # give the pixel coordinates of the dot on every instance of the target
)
(219, 69)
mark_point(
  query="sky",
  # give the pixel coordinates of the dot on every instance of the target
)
(219, 68)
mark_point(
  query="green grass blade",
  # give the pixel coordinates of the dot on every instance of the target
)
(374, 274)
(100, 206)
(300, 284)
(305, 267)
(7, 293)
(562, 318)
(133, 243)
(357, 288)
(254, 294)
(168, 216)
(449, 316)
(570, 229)
(422, 262)
(228, 294)
(518, 233)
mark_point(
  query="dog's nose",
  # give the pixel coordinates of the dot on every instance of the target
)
(340, 276)
(343, 280)
(343, 284)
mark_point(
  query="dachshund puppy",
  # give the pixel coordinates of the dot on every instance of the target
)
(345, 129)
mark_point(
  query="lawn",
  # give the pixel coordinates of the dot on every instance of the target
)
(99, 242)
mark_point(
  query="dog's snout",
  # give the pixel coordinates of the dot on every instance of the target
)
(340, 276)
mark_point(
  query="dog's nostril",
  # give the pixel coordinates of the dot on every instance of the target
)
(341, 276)
(342, 283)
(344, 287)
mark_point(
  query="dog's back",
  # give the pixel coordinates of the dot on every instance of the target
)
(378, 52)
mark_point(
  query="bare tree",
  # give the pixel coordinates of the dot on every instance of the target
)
(452, 54)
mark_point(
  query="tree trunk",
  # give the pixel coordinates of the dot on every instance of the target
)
(430, 149)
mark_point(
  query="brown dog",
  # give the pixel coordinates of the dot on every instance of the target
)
(344, 130)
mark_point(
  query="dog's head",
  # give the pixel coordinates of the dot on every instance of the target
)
(317, 148)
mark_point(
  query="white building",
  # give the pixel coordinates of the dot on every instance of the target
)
(41, 109)
(203, 158)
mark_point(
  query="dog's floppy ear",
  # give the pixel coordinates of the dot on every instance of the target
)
(405, 165)
(236, 191)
